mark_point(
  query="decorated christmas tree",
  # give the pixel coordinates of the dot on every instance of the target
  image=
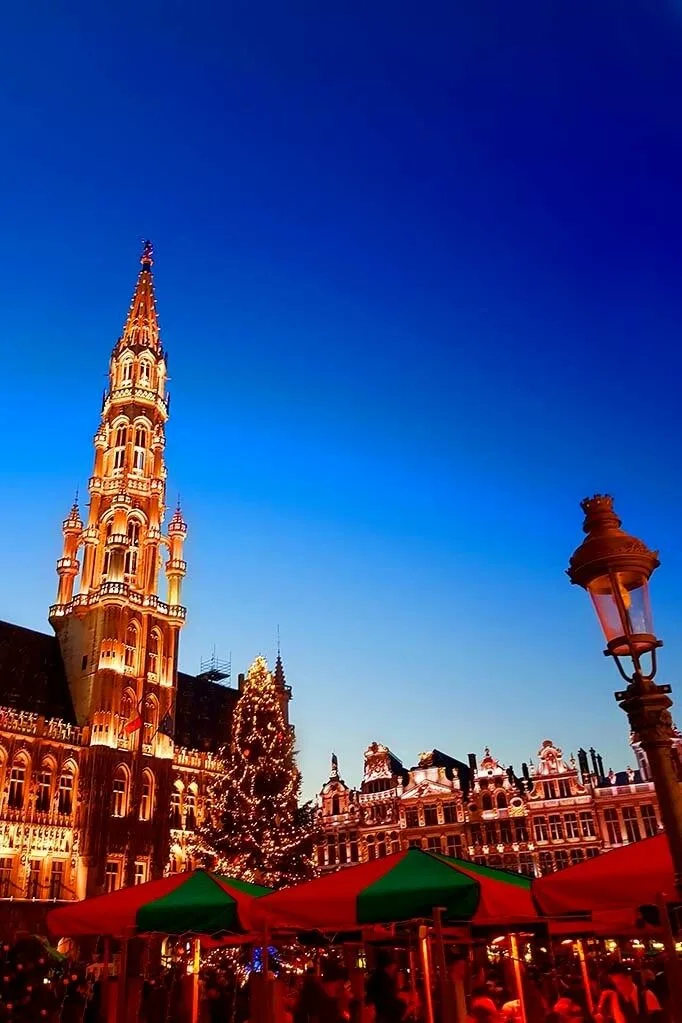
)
(255, 829)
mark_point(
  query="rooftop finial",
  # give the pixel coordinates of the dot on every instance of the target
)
(147, 257)
(279, 648)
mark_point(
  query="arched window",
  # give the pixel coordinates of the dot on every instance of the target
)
(151, 713)
(144, 376)
(66, 783)
(127, 371)
(501, 801)
(133, 551)
(147, 796)
(486, 801)
(107, 553)
(126, 712)
(191, 808)
(130, 656)
(154, 651)
(120, 439)
(44, 787)
(176, 806)
(139, 449)
(119, 806)
(336, 806)
(17, 784)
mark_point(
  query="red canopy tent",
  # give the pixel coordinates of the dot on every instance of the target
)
(636, 875)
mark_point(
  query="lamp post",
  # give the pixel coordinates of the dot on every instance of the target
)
(615, 569)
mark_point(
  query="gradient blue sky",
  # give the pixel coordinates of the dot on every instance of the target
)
(419, 271)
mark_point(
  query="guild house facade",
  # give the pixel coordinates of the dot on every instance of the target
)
(106, 749)
(557, 812)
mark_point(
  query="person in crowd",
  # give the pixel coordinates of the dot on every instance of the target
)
(482, 1008)
(381, 992)
(570, 1007)
(324, 1001)
(623, 1001)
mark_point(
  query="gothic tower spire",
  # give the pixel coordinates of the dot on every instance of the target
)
(141, 329)
(117, 631)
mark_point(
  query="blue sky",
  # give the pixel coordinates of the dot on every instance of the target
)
(419, 271)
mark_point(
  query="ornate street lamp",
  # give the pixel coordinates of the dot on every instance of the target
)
(615, 569)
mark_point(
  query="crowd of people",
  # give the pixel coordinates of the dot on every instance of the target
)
(35, 985)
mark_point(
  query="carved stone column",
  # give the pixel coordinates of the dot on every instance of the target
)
(647, 706)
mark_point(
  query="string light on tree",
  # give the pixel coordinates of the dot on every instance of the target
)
(256, 830)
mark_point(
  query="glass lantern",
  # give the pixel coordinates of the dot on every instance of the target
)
(621, 600)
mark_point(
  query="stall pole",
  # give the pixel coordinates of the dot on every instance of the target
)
(518, 973)
(580, 949)
(425, 957)
(196, 969)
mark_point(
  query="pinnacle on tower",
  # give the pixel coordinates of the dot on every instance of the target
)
(278, 673)
(142, 326)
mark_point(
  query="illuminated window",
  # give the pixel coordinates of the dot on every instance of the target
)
(450, 813)
(33, 879)
(112, 875)
(649, 821)
(154, 651)
(139, 872)
(520, 831)
(506, 834)
(5, 877)
(17, 786)
(126, 712)
(120, 441)
(57, 879)
(571, 825)
(120, 793)
(107, 553)
(587, 825)
(556, 828)
(561, 859)
(139, 449)
(613, 831)
(66, 792)
(130, 655)
(176, 808)
(430, 816)
(190, 809)
(411, 819)
(44, 790)
(540, 829)
(546, 863)
(151, 712)
(631, 823)
(133, 548)
(454, 846)
(526, 865)
(147, 797)
(490, 834)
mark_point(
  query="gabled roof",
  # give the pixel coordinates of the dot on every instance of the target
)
(32, 674)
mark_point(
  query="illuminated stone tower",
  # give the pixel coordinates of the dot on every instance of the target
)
(118, 636)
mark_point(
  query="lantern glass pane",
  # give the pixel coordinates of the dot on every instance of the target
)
(628, 616)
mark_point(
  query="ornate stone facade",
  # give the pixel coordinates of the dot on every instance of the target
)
(557, 812)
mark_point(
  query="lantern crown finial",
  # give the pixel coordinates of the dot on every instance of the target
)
(607, 546)
(599, 514)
